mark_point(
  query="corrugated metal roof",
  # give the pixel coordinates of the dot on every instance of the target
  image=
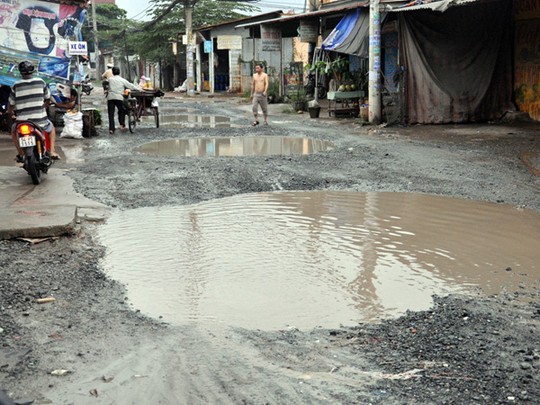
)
(441, 5)
(258, 16)
(311, 14)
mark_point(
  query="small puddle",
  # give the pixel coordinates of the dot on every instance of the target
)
(7, 156)
(237, 146)
(316, 258)
(189, 120)
(70, 151)
(167, 109)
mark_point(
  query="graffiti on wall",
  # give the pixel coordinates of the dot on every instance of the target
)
(527, 71)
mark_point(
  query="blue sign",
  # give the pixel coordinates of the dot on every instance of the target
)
(208, 46)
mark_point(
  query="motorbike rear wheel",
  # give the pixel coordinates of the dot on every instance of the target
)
(32, 168)
(132, 121)
(155, 111)
(321, 92)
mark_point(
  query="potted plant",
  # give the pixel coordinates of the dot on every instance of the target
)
(339, 67)
(298, 100)
(273, 90)
(314, 109)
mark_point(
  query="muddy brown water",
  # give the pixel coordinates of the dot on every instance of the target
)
(71, 151)
(308, 259)
(189, 120)
(237, 146)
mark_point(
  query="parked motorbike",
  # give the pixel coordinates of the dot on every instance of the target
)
(36, 146)
(5, 118)
(310, 86)
(86, 86)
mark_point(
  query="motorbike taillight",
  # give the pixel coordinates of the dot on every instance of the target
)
(24, 129)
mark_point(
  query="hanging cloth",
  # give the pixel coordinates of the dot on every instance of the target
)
(351, 35)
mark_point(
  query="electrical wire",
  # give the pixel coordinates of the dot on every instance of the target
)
(135, 17)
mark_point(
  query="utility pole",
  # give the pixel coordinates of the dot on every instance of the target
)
(96, 46)
(188, 10)
(374, 84)
(127, 57)
(176, 71)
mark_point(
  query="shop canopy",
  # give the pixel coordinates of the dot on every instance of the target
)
(350, 35)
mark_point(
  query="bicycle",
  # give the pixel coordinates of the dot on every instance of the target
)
(142, 104)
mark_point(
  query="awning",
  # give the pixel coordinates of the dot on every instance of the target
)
(350, 36)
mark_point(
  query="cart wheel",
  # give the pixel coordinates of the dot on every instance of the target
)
(156, 115)
(132, 121)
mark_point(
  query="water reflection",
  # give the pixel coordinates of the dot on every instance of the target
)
(190, 120)
(238, 146)
(316, 258)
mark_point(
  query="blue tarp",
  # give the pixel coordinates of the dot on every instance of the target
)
(350, 35)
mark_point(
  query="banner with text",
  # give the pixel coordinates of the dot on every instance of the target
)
(270, 38)
(229, 42)
(39, 32)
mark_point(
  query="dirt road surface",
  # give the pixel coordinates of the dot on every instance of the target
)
(90, 346)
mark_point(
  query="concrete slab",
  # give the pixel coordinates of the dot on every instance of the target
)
(35, 222)
(48, 209)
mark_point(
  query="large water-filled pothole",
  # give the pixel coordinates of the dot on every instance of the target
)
(237, 146)
(189, 120)
(71, 151)
(316, 258)
(184, 118)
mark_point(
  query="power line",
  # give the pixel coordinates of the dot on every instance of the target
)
(143, 11)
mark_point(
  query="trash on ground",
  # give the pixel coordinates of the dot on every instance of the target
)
(45, 300)
(60, 372)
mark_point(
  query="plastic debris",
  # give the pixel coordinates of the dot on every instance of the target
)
(45, 300)
(60, 372)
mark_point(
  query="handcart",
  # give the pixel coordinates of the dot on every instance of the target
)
(142, 103)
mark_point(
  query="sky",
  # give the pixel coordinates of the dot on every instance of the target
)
(138, 9)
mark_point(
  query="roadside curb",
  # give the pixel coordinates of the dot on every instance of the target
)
(45, 210)
(36, 222)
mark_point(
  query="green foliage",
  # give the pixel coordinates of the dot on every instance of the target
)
(116, 32)
(210, 12)
(154, 43)
(111, 20)
(319, 66)
(339, 68)
(97, 117)
(273, 90)
(298, 95)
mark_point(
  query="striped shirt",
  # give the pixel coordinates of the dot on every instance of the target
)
(28, 100)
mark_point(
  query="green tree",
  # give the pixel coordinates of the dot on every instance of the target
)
(111, 21)
(152, 40)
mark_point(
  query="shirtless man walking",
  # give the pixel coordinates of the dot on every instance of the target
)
(259, 94)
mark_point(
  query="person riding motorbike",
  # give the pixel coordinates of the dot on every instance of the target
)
(108, 73)
(28, 101)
